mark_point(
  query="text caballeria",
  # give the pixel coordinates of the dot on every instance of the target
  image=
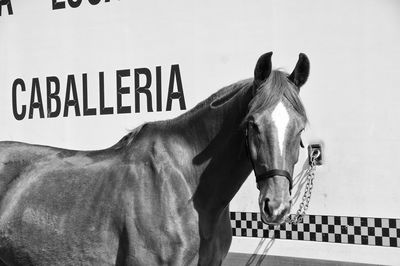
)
(49, 98)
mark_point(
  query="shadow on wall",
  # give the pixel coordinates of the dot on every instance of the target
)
(300, 181)
(263, 255)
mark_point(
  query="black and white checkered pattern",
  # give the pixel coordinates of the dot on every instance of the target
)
(321, 228)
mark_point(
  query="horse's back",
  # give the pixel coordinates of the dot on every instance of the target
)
(14, 158)
(22, 161)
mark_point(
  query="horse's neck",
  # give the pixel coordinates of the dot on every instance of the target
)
(220, 164)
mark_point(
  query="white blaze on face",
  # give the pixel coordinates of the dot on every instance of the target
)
(280, 117)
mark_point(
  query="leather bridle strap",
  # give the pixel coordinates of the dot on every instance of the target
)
(267, 174)
(275, 172)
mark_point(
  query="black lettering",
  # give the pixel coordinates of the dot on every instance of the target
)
(158, 89)
(122, 90)
(9, 7)
(74, 4)
(16, 83)
(58, 5)
(86, 109)
(35, 93)
(175, 74)
(144, 89)
(103, 110)
(53, 96)
(71, 87)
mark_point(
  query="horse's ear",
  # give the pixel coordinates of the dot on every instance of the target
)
(263, 68)
(300, 73)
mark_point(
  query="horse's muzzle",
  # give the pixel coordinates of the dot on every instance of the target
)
(274, 212)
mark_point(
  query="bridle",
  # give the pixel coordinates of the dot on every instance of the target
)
(266, 173)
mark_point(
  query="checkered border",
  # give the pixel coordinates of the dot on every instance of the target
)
(322, 228)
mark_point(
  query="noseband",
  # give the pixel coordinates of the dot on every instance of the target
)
(266, 174)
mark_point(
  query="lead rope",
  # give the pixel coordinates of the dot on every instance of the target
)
(298, 217)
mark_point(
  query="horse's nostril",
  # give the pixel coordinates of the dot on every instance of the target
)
(266, 207)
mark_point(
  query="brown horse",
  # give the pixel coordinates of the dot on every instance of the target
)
(161, 195)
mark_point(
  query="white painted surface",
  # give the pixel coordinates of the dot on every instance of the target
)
(352, 96)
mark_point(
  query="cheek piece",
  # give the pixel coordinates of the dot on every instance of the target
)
(269, 173)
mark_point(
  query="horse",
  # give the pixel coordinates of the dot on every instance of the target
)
(160, 195)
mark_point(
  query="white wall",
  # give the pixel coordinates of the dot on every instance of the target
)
(352, 99)
(352, 96)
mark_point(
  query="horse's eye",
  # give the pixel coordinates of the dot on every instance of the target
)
(254, 126)
(301, 143)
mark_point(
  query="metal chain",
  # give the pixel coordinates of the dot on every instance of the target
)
(298, 217)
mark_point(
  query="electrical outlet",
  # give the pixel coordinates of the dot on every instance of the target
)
(315, 149)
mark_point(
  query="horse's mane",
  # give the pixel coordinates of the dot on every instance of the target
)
(216, 99)
(128, 138)
(274, 89)
(223, 94)
(264, 97)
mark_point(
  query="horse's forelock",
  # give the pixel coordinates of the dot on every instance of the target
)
(272, 90)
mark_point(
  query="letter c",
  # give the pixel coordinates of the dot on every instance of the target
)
(20, 82)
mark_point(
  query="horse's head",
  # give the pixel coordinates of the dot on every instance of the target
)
(274, 124)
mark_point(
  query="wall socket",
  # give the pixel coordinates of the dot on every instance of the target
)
(315, 148)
